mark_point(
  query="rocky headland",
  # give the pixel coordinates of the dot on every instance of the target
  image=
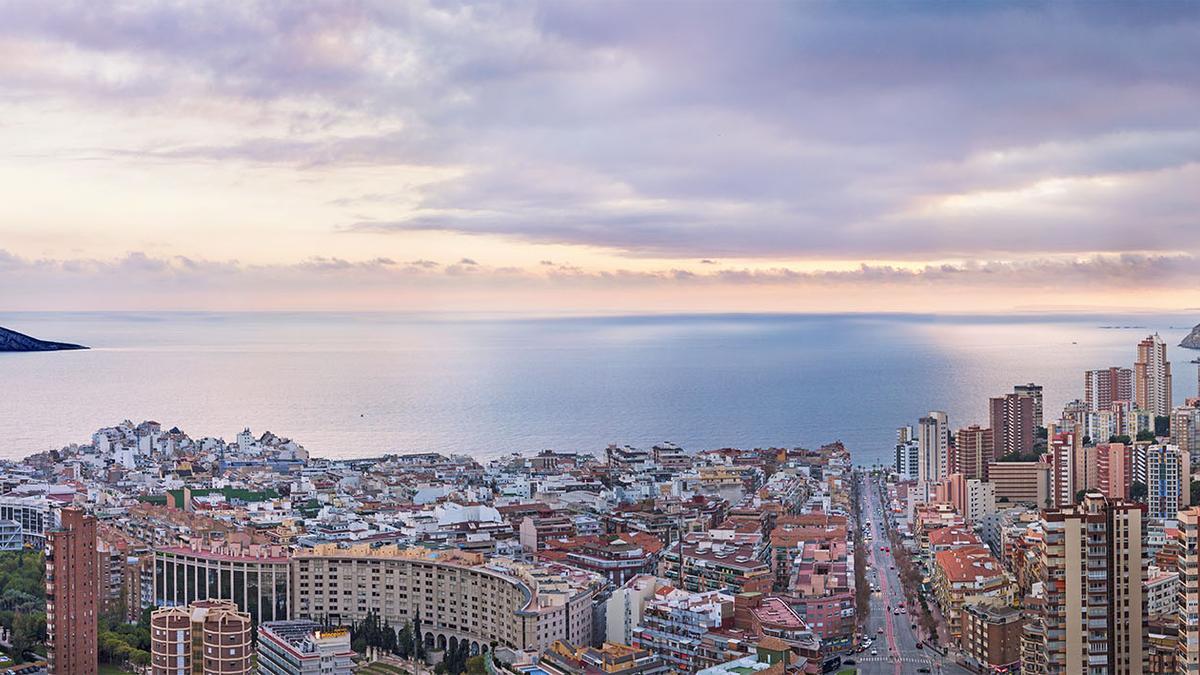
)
(12, 341)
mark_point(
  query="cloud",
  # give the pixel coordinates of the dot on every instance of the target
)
(723, 130)
(140, 275)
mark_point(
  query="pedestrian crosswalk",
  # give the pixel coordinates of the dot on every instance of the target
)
(904, 658)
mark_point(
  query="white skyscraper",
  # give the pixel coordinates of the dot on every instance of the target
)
(933, 439)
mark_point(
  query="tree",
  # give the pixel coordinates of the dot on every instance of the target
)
(1137, 491)
(1196, 492)
(1079, 495)
(1145, 436)
(418, 637)
(476, 666)
(26, 632)
(404, 642)
(1123, 439)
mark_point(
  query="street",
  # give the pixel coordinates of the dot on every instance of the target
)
(896, 646)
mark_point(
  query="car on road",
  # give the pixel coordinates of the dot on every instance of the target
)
(922, 669)
(849, 662)
(874, 652)
(920, 646)
(880, 631)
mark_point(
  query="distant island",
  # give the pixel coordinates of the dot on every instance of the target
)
(1192, 341)
(12, 341)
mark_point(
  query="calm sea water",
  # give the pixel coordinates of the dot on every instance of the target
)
(347, 385)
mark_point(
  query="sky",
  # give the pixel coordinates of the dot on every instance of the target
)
(600, 156)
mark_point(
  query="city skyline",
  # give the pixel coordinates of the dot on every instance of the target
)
(614, 157)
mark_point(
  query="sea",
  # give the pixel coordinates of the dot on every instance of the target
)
(364, 384)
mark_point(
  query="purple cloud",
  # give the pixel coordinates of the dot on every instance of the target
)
(781, 130)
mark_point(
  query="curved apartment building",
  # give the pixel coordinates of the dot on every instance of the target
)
(459, 596)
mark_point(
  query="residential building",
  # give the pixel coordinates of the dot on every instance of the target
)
(719, 560)
(1063, 455)
(972, 498)
(907, 460)
(623, 609)
(1167, 481)
(1014, 418)
(460, 596)
(933, 439)
(1034, 392)
(536, 531)
(967, 575)
(1187, 538)
(1102, 387)
(973, 452)
(72, 594)
(1114, 469)
(1020, 482)
(1160, 588)
(674, 625)
(610, 659)
(303, 648)
(1185, 429)
(32, 513)
(256, 577)
(1086, 616)
(991, 636)
(618, 557)
(1152, 376)
(208, 637)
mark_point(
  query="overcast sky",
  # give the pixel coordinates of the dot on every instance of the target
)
(600, 156)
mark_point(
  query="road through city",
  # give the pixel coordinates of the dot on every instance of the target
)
(896, 646)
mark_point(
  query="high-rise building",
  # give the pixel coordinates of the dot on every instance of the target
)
(1063, 455)
(973, 451)
(1090, 569)
(1033, 392)
(1187, 539)
(1152, 376)
(72, 578)
(908, 459)
(1102, 387)
(1167, 481)
(972, 498)
(1014, 418)
(209, 637)
(303, 648)
(1114, 470)
(1074, 412)
(933, 438)
(1185, 429)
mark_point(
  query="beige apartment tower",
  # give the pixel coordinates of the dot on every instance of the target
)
(1089, 617)
(1187, 539)
(1152, 376)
